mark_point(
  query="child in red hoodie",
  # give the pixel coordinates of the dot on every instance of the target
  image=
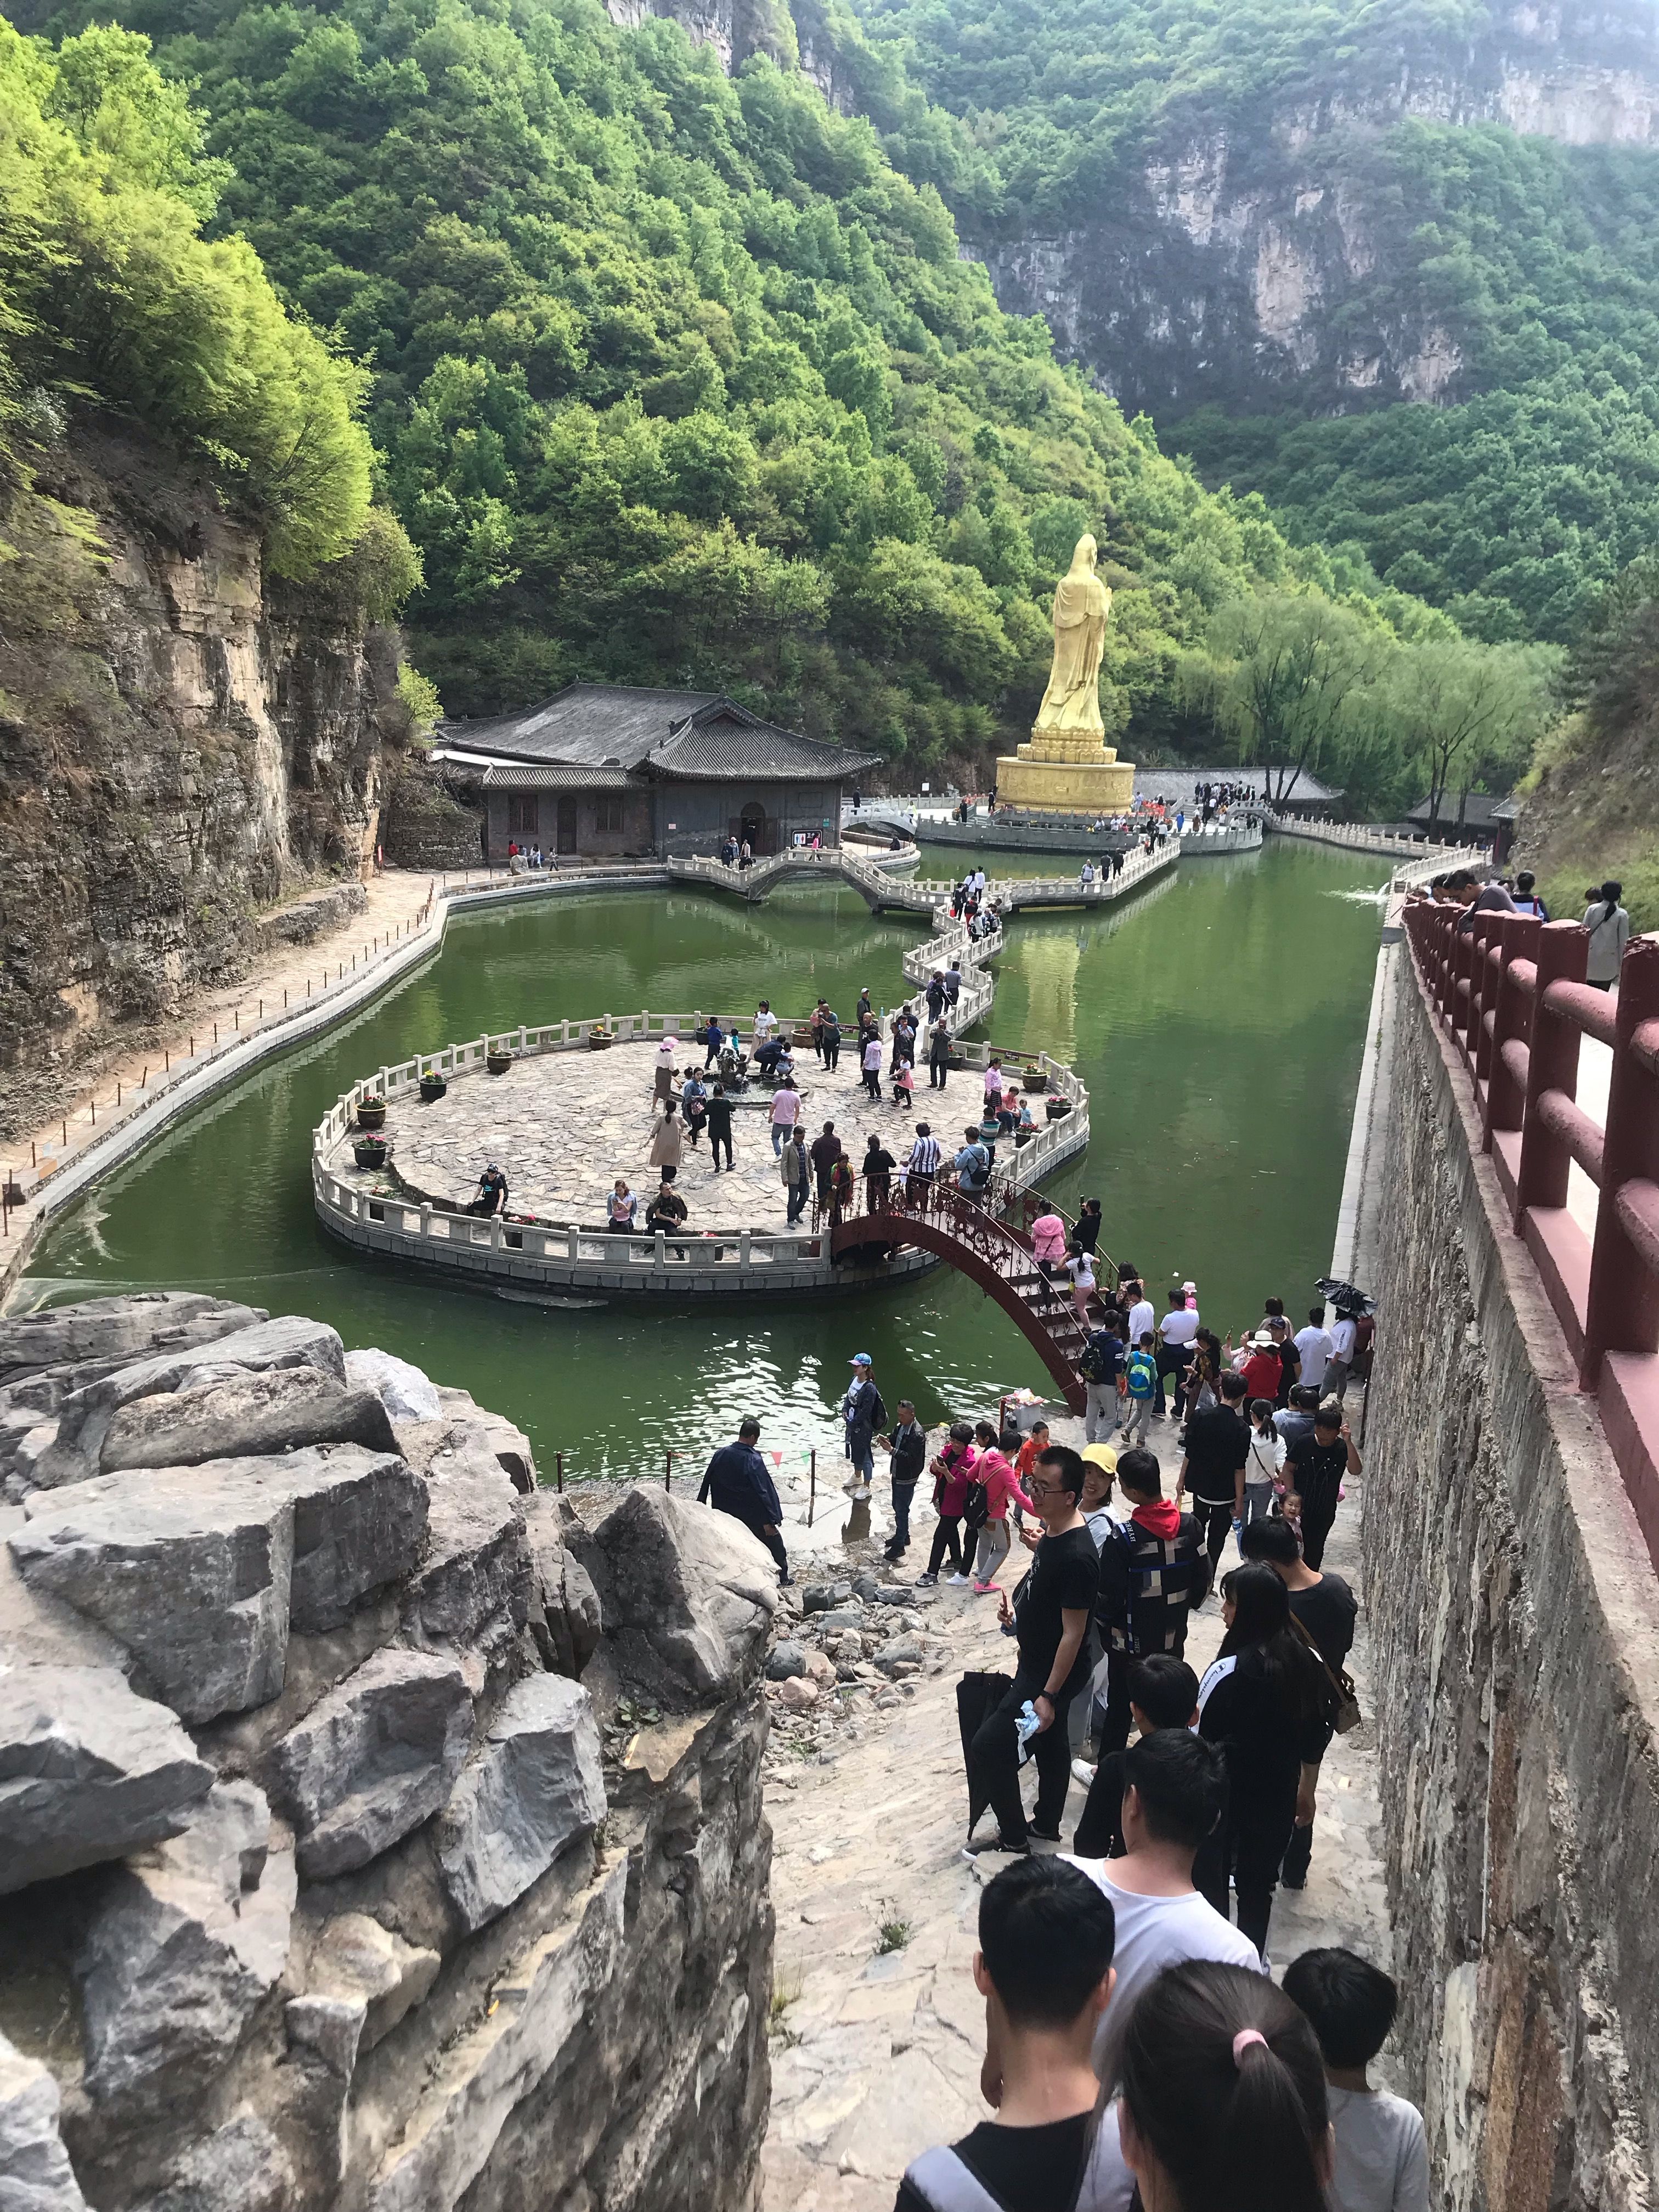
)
(1153, 1569)
(953, 1470)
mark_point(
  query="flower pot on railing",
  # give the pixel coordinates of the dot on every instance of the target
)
(371, 1113)
(433, 1088)
(370, 1151)
(597, 1040)
(1022, 1137)
(1058, 1109)
(1036, 1078)
(497, 1063)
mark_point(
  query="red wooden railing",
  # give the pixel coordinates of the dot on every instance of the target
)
(1512, 994)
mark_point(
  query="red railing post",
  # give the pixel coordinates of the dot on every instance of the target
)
(1489, 956)
(1553, 1065)
(1512, 1024)
(1622, 1313)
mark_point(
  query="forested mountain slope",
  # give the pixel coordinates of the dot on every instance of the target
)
(677, 378)
(1393, 263)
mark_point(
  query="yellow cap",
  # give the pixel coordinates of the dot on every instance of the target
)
(1101, 1455)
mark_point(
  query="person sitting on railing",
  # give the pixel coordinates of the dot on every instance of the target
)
(668, 1210)
(492, 1193)
(1007, 1111)
(620, 1208)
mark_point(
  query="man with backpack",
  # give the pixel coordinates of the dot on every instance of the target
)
(973, 1166)
(1100, 1366)
(1154, 1571)
(1140, 1387)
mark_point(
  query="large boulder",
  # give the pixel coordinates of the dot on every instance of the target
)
(473, 1588)
(84, 1416)
(373, 1760)
(119, 1328)
(533, 1786)
(88, 1771)
(240, 1414)
(356, 1961)
(688, 1595)
(185, 1941)
(200, 1572)
(36, 2173)
(239, 2167)
(406, 1394)
(564, 1606)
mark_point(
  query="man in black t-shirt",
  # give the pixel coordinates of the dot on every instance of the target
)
(1314, 1469)
(1044, 1968)
(1218, 1451)
(1049, 1620)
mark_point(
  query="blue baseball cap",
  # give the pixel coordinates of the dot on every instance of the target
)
(860, 1359)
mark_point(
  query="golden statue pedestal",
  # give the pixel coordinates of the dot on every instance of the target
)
(1062, 772)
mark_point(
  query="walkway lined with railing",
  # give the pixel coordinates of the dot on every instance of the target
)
(1511, 992)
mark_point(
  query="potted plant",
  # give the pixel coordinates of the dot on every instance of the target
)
(370, 1151)
(597, 1037)
(371, 1112)
(1036, 1079)
(1058, 1109)
(433, 1085)
(498, 1062)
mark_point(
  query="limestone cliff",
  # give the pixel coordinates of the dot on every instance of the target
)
(1258, 267)
(373, 1835)
(183, 742)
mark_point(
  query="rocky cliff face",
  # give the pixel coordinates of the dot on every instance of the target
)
(1238, 267)
(371, 1834)
(182, 741)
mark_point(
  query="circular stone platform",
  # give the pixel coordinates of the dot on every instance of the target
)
(563, 1126)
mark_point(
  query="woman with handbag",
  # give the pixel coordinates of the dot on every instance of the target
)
(1323, 1610)
(996, 1487)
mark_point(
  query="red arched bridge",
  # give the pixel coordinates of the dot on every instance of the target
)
(991, 1249)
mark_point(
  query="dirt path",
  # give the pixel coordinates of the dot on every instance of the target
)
(876, 2053)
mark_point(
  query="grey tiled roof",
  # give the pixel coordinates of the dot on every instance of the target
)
(554, 775)
(693, 735)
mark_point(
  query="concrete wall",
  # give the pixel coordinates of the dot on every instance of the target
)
(1516, 1633)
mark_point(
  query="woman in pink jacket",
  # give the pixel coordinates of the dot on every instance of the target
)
(994, 1472)
(952, 1471)
(1048, 1243)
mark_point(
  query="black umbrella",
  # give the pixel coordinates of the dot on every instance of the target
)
(1344, 1297)
(976, 1694)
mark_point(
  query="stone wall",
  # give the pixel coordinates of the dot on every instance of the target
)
(1514, 1630)
(372, 1833)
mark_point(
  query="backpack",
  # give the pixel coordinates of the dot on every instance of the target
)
(1095, 1366)
(945, 2183)
(1141, 1371)
(979, 1167)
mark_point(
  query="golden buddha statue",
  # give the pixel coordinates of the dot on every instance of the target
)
(1068, 767)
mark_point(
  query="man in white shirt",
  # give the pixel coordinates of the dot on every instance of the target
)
(1174, 1790)
(1336, 1372)
(1178, 1333)
(1315, 1347)
(1142, 1319)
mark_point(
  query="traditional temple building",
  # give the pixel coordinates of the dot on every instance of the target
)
(606, 769)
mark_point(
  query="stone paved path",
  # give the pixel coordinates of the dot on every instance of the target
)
(563, 1126)
(875, 2056)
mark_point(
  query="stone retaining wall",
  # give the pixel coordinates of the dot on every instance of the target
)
(1515, 1629)
(373, 1833)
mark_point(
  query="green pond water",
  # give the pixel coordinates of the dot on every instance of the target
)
(1217, 1020)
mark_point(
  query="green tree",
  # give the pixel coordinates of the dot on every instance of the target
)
(1470, 713)
(1282, 677)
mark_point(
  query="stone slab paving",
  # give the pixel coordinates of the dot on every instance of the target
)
(562, 1125)
(875, 2057)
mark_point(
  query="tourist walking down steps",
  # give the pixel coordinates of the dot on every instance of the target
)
(736, 1482)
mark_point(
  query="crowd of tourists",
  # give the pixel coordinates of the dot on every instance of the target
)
(1604, 918)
